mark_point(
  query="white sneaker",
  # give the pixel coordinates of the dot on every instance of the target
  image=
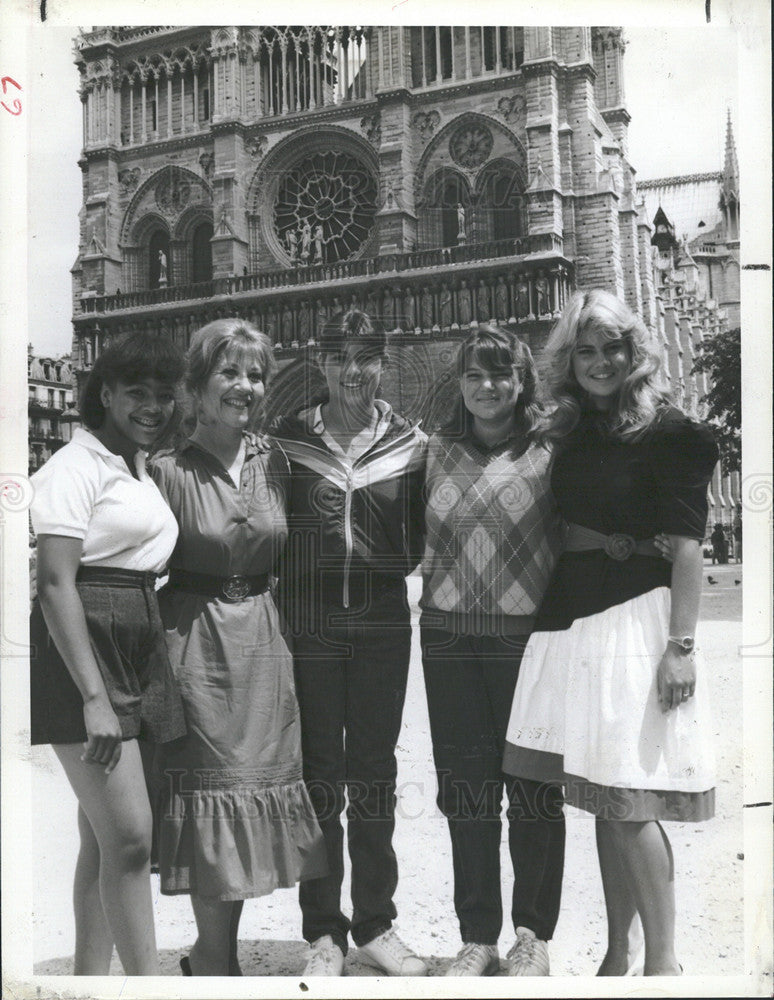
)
(326, 958)
(388, 953)
(528, 956)
(475, 960)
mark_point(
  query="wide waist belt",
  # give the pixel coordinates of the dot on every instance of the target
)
(618, 546)
(230, 588)
(111, 576)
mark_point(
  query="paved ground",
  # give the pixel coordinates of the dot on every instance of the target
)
(709, 857)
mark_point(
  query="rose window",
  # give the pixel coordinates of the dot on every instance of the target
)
(325, 208)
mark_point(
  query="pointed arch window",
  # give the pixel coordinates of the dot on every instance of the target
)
(201, 253)
(500, 210)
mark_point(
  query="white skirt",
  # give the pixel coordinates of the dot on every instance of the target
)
(586, 708)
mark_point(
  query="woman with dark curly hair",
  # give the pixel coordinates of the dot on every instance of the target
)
(100, 676)
(612, 697)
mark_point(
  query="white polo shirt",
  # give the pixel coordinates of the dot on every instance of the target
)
(85, 491)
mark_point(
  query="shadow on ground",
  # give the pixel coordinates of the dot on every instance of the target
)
(257, 958)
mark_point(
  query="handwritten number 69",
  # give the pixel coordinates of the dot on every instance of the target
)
(16, 102)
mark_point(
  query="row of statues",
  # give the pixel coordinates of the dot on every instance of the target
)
(305, 245)
(424, 309)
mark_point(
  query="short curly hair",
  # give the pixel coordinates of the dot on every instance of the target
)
(132, 358)
(210, 342)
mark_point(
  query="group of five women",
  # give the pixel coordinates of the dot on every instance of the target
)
(267, 680)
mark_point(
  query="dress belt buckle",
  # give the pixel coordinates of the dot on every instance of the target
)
(619, 546)
(235, 588)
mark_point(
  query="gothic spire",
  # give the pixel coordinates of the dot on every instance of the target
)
(731, 166)
(729, 187)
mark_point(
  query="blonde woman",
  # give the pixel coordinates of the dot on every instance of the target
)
(235, 820)
(611, 696)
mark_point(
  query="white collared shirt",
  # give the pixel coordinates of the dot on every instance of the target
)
(86, 491)
(363, 440)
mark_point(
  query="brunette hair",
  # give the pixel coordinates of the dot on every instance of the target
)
(643, 394)
(132, 358)
(352, 327)
(496, 349)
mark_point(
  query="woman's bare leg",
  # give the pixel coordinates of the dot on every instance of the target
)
(93, 940)
(212, 953)
(118, 811)
(624, 933)
(647, 856)
(234, 969)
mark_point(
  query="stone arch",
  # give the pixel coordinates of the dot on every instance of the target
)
(190, 219)
(506, 144)
(193, 250)
(500, 208)
(437, 217)
(169, 201)
(264, 189)
(145, 200)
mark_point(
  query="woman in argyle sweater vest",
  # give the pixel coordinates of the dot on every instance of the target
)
(493, 535)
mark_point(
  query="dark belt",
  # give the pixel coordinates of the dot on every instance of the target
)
(618, 546)
(231, 588)
(110, 576)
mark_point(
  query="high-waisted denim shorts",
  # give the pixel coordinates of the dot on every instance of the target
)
(127, 639)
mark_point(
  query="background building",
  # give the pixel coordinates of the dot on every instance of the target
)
(435, 176)
(696, 241)
(50, 396)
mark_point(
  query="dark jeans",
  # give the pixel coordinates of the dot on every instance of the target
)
(351, 685)
(470, 682)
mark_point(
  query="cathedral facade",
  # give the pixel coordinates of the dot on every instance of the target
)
(438, 177)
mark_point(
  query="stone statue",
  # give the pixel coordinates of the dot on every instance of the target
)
(543, 304)
(482, 302)
(426, 306)
(460, 221)
(522, 299)
(306, 239)
(463, 301)
(320, 315)
(318, 243)
(501, 299)
(372, 305)
(388, 309)
(409, 312)
(162, 268)
(287, 324)
(445, 307)
(303, 322)
(292, 242)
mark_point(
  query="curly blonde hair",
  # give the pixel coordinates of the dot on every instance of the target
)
(643, 395)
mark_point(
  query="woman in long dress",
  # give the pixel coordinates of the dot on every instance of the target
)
(235, 820)
(100, 678)
(612, 696)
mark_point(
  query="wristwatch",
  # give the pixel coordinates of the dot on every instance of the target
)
(685, 642)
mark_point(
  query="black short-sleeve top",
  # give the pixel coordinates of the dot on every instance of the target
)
(655, 484)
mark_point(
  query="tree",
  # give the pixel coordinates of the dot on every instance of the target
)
(720, 358)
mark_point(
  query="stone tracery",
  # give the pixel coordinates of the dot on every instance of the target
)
(334, 195)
